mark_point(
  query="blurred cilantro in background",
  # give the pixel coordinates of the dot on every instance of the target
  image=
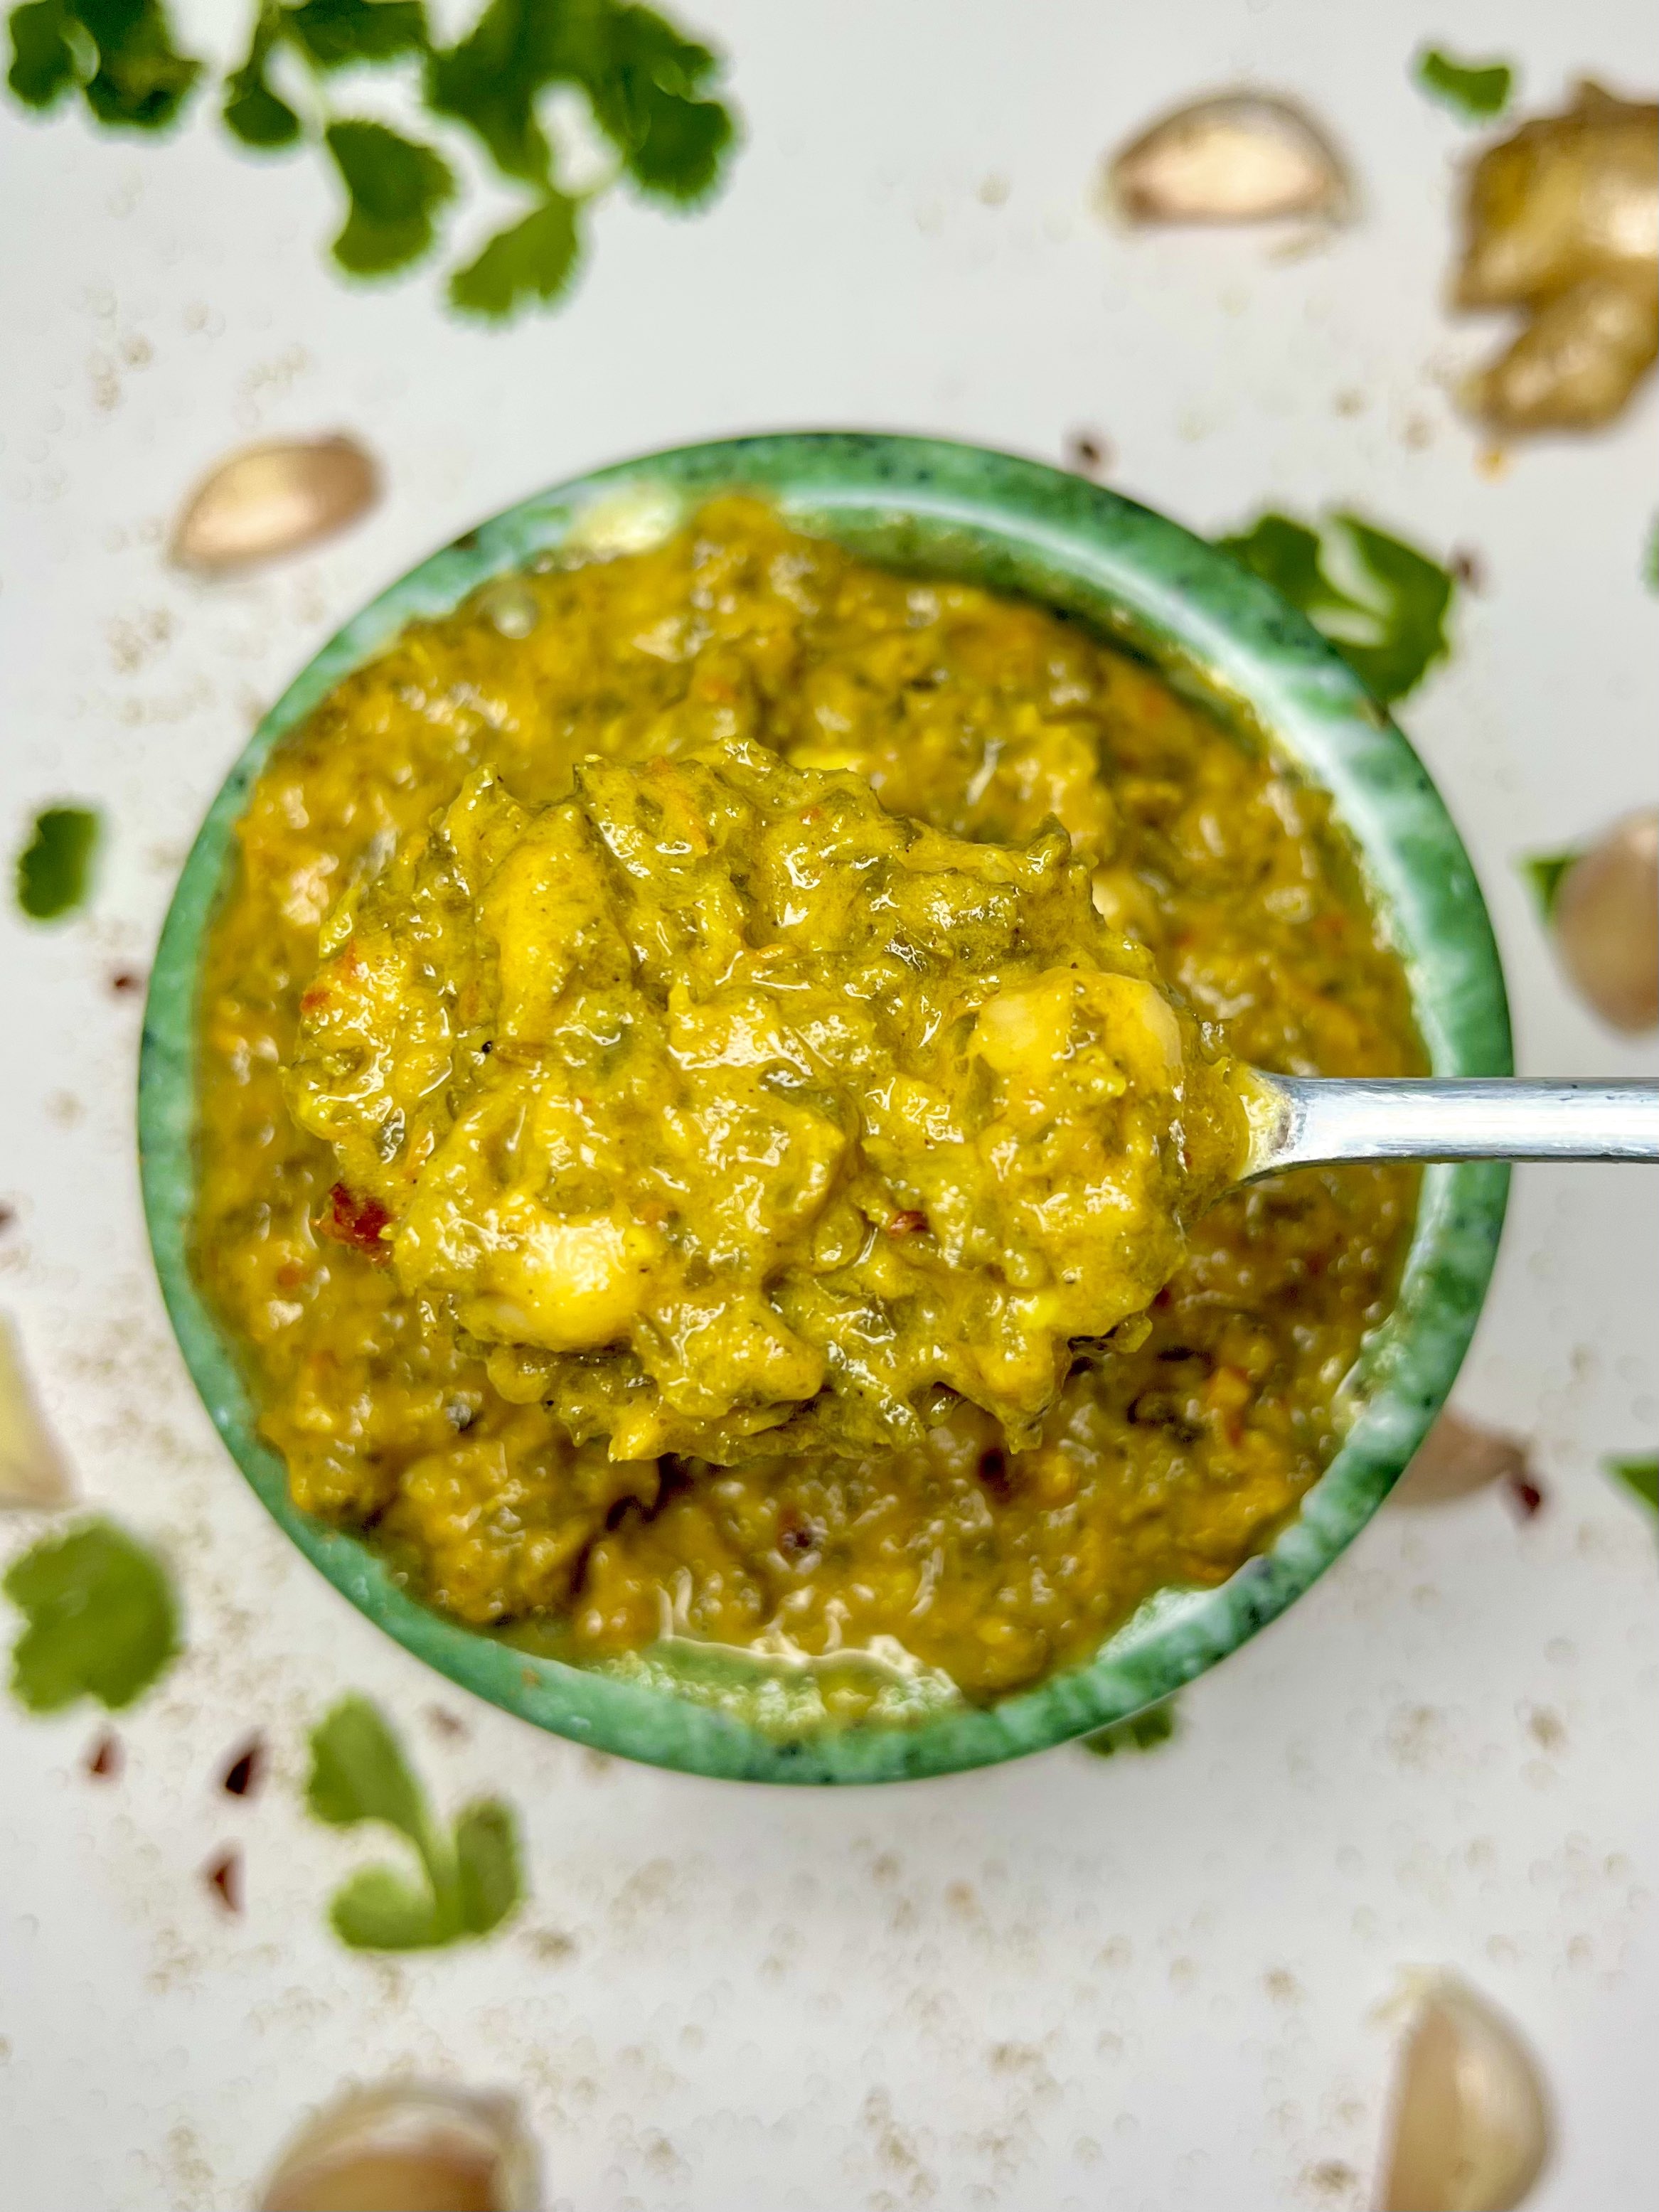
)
(650, 91)
(1390, 628)
(1475, 90)
(54, 869)
(470, 1878)
(101, 1618)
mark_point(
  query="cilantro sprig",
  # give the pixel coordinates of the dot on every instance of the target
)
(1475, 90)
(101, 1618)
(651, 90)
(1391, 628)
(469, 1881)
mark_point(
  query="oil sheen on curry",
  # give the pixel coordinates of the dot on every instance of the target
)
(717, 1115)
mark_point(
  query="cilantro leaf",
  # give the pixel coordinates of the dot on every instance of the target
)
(489, 1887)
(489, 81)
(252, 110)
(358, 1772)
(43, 62)
(54, 869)
(1544, 873)
(1639, 1475)
(1392, 635)
(1415, 594)
(1475, 90)
(534, 259)
(645, 83)
(142, 80)
(397, 188)
(472, 1881)
(377, 1909)
(102, 1622)
(337, 32)
(1143, 1731)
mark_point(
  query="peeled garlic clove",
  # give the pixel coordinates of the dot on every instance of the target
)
(1577, 361)
(1470, 2129)
(1239, 157)
(1457, 1457)
(1606, 923)
(34, 1475)
(274, 499)
(409, 2147)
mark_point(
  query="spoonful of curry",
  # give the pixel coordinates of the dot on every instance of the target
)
(728, 1114)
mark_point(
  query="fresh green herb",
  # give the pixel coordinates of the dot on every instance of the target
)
(1391, 629)
(1650, 558)
(469, 1883)
(54, 869)
(651, 92)
(397, 188)
(1544, 873)
(1640, 1475)
(102, 1622)
(1141, 1732)
(1475, 90)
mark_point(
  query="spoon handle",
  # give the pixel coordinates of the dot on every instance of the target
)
(1298, 1119)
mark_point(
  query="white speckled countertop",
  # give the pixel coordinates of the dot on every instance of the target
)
(1146, 1983)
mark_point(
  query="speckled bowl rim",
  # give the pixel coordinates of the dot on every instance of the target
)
(1218, 633)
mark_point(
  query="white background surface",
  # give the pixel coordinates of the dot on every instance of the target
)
(1149, 1982)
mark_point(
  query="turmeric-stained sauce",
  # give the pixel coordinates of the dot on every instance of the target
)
(715, 1076)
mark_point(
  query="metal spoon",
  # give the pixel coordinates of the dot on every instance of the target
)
(1298, 1119)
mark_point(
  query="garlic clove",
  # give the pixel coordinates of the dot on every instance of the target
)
(1606, 923)
(1576, 363)
(34, 1476)
(1457, 1457)
(1238, 157)
(409, 2147)
(1470, 2130)
(273, 499)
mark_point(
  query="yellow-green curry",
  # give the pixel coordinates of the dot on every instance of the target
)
(715, 1078)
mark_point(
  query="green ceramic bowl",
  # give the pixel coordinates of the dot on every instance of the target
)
(1218, 634)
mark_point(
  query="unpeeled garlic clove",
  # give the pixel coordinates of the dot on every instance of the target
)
(409, 2147)
(34, 1476)
(1470, 2129)
(1457, 1457)
(1606, 923)
(1237, 157)
(274, 499)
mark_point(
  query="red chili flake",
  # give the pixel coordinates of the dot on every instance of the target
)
(104, 1759)
(1468, 568)
(8, 1215)
(356, 1222)
(247, 1771)
(445, 1724)
(125, 981)
(906, 1223)
(224, 1874)
(313, 996)
(1524, 1495)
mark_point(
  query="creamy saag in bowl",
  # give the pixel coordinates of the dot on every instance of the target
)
(714, 1124)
